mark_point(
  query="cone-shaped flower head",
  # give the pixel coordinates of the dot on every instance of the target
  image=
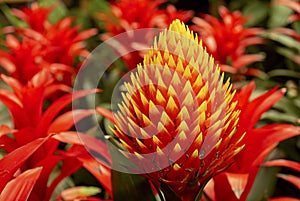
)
(177, 119)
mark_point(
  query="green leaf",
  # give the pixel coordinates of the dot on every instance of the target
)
(169, 194)
(12, 19)
(279, 16)
(257, 11)
(99, 6)
(5, 116)
(89, 190)
(279, 117)
(131, 186)
(296, 26)
(264, 184)
(290, 54)
(283, 73)
(283, 39)
(58, 13)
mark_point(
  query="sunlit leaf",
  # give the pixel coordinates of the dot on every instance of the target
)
(279, 16)
(59, 12)
(79, 191)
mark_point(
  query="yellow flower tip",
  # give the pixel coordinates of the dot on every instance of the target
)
(159, 151)
(195, 154)
(138, 155)
(177, 148)
(238, 150)
(176, 167)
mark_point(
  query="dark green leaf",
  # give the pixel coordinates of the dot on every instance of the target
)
(284, 73)
(131, 187)
(257, 12)
(169, 194)
(12, 19)
(264, 184)
(283, 39)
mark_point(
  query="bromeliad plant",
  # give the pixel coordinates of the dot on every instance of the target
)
(227, 40)
(37, 73)
(189, 133)
(177, 106)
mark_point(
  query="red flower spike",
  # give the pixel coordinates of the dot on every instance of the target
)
(228, 39)
(184, 81)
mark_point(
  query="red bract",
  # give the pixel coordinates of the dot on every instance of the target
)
(127, 15)
(32, 123)
(238, 180)
(21, 187)
(44, 45)
(227, 40)
(39, 59)
(25, 59)
(35, 16)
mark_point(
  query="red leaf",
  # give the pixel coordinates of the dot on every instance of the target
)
(291, 178)
(245, 93)
(260, 141)
(48, 165)
(70, 165)
(86, 141)
(284, 163)
(13, 83)
(101, 172)
(283, 199)
(85, 34)
(8, 144)
(106, 113)
(256, 107)
(21, 187)
(5, 130)
(54, 88)
(222, 187)
(209, 191)
(57, 106)
(14, 105)
(67, 120)
(14, 160)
